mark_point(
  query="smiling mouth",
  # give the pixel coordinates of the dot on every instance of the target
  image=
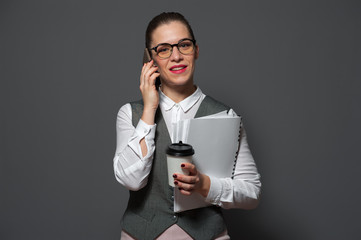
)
(178, 69)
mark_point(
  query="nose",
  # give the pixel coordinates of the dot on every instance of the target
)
(176, 55)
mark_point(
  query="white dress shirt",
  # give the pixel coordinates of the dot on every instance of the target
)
(132, 169)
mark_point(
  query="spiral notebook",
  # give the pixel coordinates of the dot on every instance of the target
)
(215, 139)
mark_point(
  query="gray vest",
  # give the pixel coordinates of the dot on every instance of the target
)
(150, 210)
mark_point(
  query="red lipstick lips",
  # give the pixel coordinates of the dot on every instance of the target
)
(178, 68)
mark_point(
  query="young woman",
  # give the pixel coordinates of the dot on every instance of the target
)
(143, 132)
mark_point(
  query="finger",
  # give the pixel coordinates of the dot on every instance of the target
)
(149, 72)
(145, 68)
(148, 76)
(184, 192)
(149, 64)
(141, 79)
(186, 179)
(184, 186)
(190, 167)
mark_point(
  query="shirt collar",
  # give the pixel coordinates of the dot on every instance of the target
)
(185, 104)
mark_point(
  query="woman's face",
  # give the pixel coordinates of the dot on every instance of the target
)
(178, 69)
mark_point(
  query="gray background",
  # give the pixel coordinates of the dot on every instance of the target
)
(291, 68)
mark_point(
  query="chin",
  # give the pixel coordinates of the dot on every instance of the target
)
(179, 81)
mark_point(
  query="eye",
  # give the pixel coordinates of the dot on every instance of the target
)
(163, 48)
(185, 44)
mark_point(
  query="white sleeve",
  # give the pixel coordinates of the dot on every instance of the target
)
(131, 169)
(243, 191)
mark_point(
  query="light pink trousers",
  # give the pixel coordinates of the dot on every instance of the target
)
(174, 232)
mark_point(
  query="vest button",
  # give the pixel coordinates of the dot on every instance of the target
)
(174, 217)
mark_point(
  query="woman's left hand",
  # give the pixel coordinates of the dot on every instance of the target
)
(194, 182)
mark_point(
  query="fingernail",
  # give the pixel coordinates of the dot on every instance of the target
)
(174, 175)
(183, 165)
(175, 182)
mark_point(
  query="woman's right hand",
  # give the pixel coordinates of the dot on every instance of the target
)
(149, 91)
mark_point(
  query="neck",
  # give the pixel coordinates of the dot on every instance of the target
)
(178, 93)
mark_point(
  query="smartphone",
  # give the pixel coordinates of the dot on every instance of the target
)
(147, 58)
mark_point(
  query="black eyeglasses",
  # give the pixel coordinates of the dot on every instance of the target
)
(165, 50)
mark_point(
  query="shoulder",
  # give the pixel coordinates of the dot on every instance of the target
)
(124, 114)
(128, 110)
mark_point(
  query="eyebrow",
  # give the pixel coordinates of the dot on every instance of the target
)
(174, 43)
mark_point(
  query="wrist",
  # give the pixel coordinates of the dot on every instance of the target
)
(148, 115)
(205, 185)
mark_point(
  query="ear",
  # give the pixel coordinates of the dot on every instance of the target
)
(196, 54)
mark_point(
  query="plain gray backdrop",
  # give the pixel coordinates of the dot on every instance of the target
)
(290, 68)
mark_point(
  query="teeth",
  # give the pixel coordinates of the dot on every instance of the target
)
(177, 68)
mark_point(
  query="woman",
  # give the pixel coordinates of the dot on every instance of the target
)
(143, 132)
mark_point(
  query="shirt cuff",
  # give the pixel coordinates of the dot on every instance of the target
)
(145, 131)
(215, 191)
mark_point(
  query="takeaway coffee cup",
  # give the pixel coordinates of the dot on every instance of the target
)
(178, 153)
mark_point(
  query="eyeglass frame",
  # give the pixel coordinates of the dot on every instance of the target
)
(172, 46)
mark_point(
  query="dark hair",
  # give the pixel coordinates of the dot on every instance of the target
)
(164, 18)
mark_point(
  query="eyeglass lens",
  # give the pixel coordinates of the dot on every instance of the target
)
(165, 50)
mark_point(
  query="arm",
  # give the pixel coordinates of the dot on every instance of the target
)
(150, 96)
(135, 146)
(243, 191)
(131, 167)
